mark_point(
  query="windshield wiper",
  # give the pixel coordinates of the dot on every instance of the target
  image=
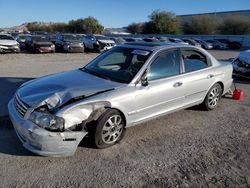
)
(96, 74)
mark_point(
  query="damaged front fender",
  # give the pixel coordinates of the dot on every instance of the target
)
(76, 114)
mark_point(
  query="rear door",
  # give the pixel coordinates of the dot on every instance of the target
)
(198, 75)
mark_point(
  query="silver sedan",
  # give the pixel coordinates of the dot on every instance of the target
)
(122, 87)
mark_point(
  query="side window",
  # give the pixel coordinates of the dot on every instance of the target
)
(193, 60)
(165, 65)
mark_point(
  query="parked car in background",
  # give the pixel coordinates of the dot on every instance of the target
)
(118, 40)
(231, 44)
(163, 39)
(39, 33)
(8, 44)
(241, 64)
(176, 40)
(52, 38)
(98, 43)
(122, 87)
(39, 44)
(14, 35)
(21, 39)
(150, 39)
(69, 43)
(192, 42)
(217, 44)
(132, 39)
(204, 44)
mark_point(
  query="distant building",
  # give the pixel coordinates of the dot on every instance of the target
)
(218, 15)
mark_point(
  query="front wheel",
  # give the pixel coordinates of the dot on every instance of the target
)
(213, 97)
(110, 129)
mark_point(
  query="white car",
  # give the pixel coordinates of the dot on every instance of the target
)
(123, 87)
(97, 43)
(8, 44)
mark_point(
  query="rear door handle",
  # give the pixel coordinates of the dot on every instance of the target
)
(210, 76)
(178, 84)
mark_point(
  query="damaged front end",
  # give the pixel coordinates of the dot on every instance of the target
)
(241, 68)
(49, 129)
(241, 65)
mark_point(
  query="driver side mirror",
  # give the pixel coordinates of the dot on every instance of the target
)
(144, 78)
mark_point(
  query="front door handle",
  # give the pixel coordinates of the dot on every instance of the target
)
(178, 84)
(210, 76)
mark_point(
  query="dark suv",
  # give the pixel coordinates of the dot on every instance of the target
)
(69, 43)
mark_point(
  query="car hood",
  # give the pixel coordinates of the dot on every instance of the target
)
(8, 42)
(57, 89)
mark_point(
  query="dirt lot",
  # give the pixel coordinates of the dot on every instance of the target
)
(190, 148)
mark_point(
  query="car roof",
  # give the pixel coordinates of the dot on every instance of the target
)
(153, 46)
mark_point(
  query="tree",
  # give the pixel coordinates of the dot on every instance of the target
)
(92, 25)
(235, 25)
(87, 25)
(200, 25)
(135, 28)
(162, 22)
(60, 27)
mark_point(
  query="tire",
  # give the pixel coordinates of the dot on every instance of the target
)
(110, 129)
(213, 97)
(97, 48)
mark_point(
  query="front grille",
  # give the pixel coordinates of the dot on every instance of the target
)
(75, 47)
(20, 106)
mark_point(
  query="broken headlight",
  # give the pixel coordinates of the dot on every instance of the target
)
(47, 121)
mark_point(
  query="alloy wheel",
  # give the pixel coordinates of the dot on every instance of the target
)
(112, 129)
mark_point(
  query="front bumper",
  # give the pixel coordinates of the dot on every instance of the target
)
(9, 49)
(45, 49)
(41, 141)
(74, 49)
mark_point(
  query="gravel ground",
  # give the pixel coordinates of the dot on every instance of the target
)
(190, 148)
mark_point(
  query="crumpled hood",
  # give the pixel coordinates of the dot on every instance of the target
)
(8, 42)
(57, 89)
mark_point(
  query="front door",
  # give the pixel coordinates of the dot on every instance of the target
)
(164, 91)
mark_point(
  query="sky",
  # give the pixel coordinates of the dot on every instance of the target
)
(110, 13)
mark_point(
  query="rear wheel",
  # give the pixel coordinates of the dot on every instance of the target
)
(110, 129)
(213, 97)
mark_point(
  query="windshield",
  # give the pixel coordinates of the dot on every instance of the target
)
(72, 37)
(40, 39)
(118, 64)
(23, 36)
(6, 37)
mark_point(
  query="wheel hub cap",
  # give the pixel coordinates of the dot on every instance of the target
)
(112, 129)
